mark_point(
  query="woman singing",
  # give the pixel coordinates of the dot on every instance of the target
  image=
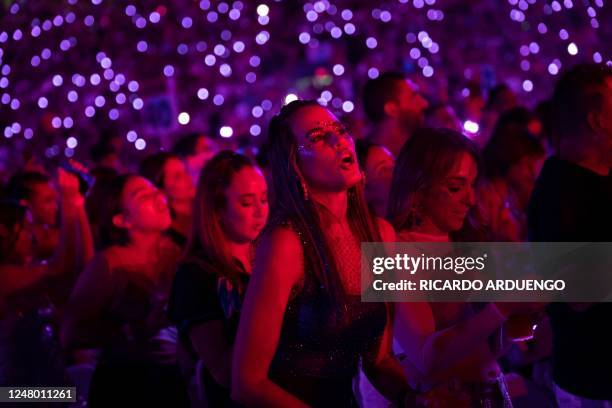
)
(304, 329)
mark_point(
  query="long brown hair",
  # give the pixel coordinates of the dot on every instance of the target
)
(425, 158)
(152, 167)
(103, 203)
(303, 215)
(206, 242)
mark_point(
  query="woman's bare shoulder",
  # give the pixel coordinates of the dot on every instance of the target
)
(387, 232)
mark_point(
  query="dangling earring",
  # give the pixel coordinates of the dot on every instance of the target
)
(298, 174)
(304, 189)
(363, 177)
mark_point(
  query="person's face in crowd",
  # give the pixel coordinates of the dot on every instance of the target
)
(43, 204)
(117, 143)
(111, 160)
(506, 101)
(205, 149)
(17, 245)
(204, 145)
(446, 203)
(326, 151)
(410, 106)
(144, 207)
(473, 107)
(24, 245)
(535, 127)
(522, 177)
(178, 184)
(246, 210)
(379, 172)
(33, 164)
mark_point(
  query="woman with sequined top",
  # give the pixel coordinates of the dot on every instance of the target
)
(303, 329)
(448, 356)
(231, 209)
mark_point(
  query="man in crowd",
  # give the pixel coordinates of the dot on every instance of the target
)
(572, 202)
(395, 108)
(36, 192)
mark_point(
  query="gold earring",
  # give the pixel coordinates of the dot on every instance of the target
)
(304, 189)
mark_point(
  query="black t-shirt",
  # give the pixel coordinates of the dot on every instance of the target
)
(179, 239)
(572, 204)
(200, 295)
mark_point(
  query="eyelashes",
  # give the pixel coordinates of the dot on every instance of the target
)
(457, 189)
(328, 135)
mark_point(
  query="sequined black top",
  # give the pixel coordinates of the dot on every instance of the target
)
(321, 342)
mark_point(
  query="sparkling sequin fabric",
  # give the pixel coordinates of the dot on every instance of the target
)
(322, 339)
(347, 250)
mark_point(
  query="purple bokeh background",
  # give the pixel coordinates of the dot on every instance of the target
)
(73, 71)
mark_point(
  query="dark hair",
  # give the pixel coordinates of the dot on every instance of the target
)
(578, 92)
(516, 116)
(186, 145)
(12, 214)
(102, 149)
(103, 173)
(152, 167)
(379, 91)
(21, 185)
(362, 148)
(508, 145)
(290, 206)
(425, 158)
(206, 239)
(103, 203)
(262, 156)
(495, 94)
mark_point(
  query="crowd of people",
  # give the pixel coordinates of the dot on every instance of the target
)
(214, 278)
